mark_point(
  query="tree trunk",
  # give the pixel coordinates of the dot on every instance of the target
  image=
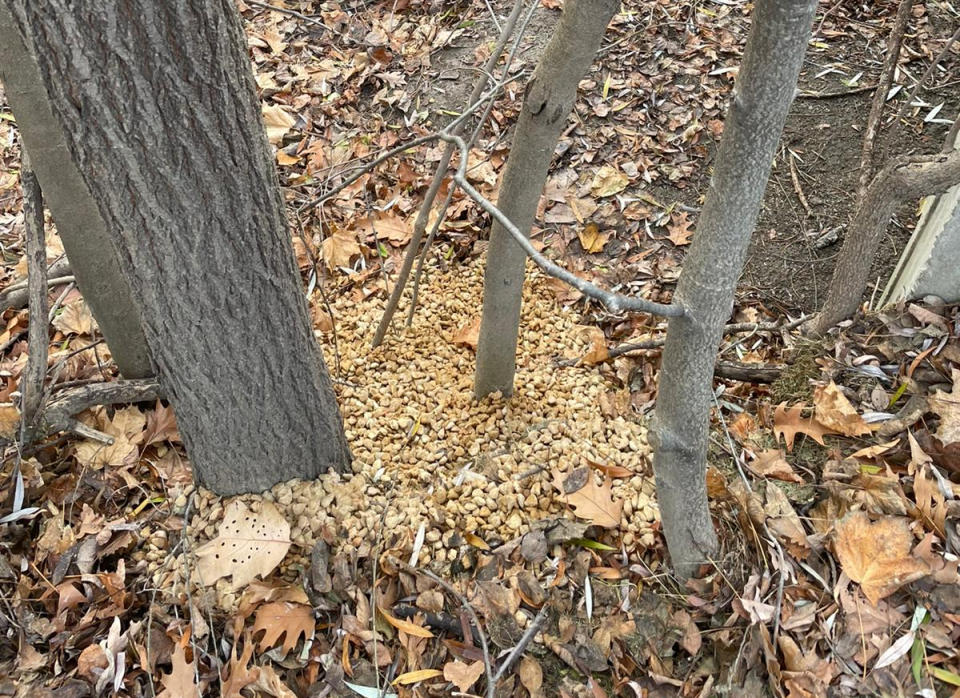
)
(82, 229)
(902, 179)
(550, 95)
(758, 109)
(159, 111)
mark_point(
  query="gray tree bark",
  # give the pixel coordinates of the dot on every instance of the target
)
(158, 108)
(550, 95)
(758, 109)
(79, 223)
(900, 180)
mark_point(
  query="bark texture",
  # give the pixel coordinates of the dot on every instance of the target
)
(901, 180)
(159, 111)
(549, 97)
(82, 229)
(758, 109)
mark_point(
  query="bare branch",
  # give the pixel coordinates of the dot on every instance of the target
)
(880, 96)
(615, 302)
(36, 370)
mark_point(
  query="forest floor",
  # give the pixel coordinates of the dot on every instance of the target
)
(833, 477)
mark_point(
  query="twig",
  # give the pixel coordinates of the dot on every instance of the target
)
(615, 302)
(285, 11)
(796, 183)
(880, 96)
(314, 262)
(446, 204)
(36, 369)
(473, 616)
(15, 295)
(517, 651)
(420, 224)
(926, 75)
(835, 93)
(950, 142)
(63, 405)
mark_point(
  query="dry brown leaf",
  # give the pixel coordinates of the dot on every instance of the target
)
(591, 238)
(9, 421)
(608, 181)
(679, 229)
(468, 335)
(249, 544)
(947, 405)
(771, 463)
(834, 411)
(790, 422)
(743, 427)
(277, 122)
(339, 248)
(597, 343)
(97, 455)
(783, 520)
(461, 674)
(614, 471)
(385, 226)
(875, 450)
(406, 626)
(283, 618)
(236, 675)
(161, 425)
(531, 676)
(75, 318)
(181, 682)
(269, 682)
(877, 555)
(930, 500)
(593, 502)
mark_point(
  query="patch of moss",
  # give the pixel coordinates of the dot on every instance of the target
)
(793, 385)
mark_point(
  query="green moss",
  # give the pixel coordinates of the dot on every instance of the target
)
(793, 385)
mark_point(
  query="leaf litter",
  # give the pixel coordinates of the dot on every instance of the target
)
(98, 579)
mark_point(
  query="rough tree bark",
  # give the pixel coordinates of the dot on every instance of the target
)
(157, 105)
(900, 180)
(79, 223)
(549, 97)
(758, 109)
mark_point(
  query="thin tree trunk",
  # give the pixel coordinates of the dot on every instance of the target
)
(901, 180)
(758, 109)
(550, 95)
(158, 107)
(79, 223)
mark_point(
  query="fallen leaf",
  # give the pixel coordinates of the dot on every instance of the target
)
(784, 521)
(771, 463)
(461, 674)
(236, 675)
(947, 405)
(277, 122)
(593, 502)
(291, 620)
(875, 450)
(468, 335)
(249, 544)
(608, 181)
(679, 229)
(181, 682)
(790, 422)
(406, 626)
(161, 425)
(269, 682)
(75, 318)
(339, 248)
(834, 411)
(596, 342)
(877, 555)
(384, 226)
(416, 676)
(531, 676)
(9, 421)
(743, 426)
(591, 238)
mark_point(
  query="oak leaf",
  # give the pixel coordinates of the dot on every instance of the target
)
(790, 422)
(249, 544)
(877, 555)
(947, 405)
(236, 675)
(469, 335)
(461, 674)
(833, 410)
(593, 502)
(181, 682)
(282, 618)
(679, 229)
